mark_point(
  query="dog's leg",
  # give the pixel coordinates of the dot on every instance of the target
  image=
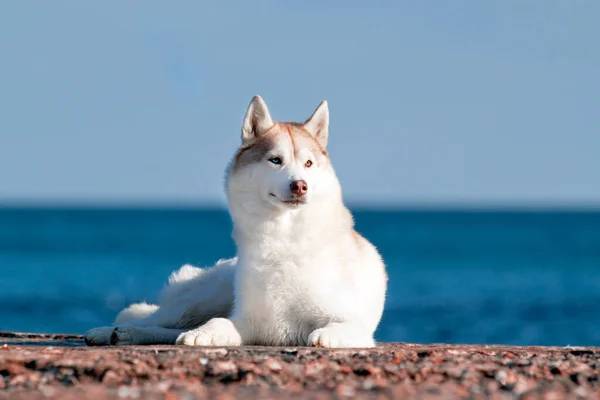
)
(341, 335)
(98, 336)
(192, 297)
(216, 332)
(137, 335)
(105, 335)
(167, 318)
(134, 315)
(102, 336)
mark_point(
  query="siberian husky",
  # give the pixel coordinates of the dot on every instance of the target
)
(302, 275)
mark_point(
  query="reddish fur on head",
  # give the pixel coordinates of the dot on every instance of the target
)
(259, 147)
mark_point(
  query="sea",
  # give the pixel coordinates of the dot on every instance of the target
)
(469, 276)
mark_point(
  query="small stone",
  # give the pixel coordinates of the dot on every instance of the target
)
(345, 369)
(142, 369)
(381, 382)
(390, 368)
(273, 365)
(46, 391)
(434, 378)
(110, 378)
(368, 384)
(246, 366)
(129, 392)
(523, 385)
(501, 377)
(34, 378)
(222, 367)
(290, 350)
(15, 369)
(18, 380)
(216, 352)
(373, 370)
(455, 371)
(225, 396)
(163, 386)
(345, 390)
(314, 367)
(581, 392)
(66, 371)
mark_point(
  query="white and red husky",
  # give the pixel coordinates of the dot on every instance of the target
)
(302, 275)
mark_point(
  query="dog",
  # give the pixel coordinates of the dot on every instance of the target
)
(302, 275)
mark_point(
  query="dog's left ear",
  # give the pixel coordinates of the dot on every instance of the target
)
(318, 124)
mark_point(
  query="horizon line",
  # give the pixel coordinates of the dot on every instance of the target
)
(425, 205)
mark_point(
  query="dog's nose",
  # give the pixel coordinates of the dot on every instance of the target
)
(299, 188)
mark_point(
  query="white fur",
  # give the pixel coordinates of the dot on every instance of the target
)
(302, 276)
(135, 311)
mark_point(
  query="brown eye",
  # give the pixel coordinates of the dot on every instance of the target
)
(308, 164)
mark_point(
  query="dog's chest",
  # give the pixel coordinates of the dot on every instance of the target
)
(287, 283)
(286, 297)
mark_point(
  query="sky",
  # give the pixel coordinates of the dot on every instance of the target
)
(462, 103)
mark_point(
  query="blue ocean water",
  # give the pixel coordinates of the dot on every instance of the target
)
(527, 278)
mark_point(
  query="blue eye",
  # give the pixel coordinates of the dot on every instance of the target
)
(275, 160)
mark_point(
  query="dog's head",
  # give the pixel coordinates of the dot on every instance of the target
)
(284, 166)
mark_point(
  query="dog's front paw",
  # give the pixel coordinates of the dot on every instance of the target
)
(324, 337)
(196, 337)
(98, 336)
(339, 337)
(216, 332)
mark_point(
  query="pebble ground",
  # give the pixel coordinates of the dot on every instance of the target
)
(60, 366)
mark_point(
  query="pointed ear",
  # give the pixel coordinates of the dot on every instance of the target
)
(257, 120)
(318, 124)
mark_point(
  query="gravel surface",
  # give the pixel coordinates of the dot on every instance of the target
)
(60, 366)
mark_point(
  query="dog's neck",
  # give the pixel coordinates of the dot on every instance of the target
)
(258, 228)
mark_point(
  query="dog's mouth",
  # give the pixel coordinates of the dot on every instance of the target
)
(294, 201)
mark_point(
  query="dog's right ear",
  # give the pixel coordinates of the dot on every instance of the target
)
(257, 120)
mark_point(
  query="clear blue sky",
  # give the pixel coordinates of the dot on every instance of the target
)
(456, 102)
